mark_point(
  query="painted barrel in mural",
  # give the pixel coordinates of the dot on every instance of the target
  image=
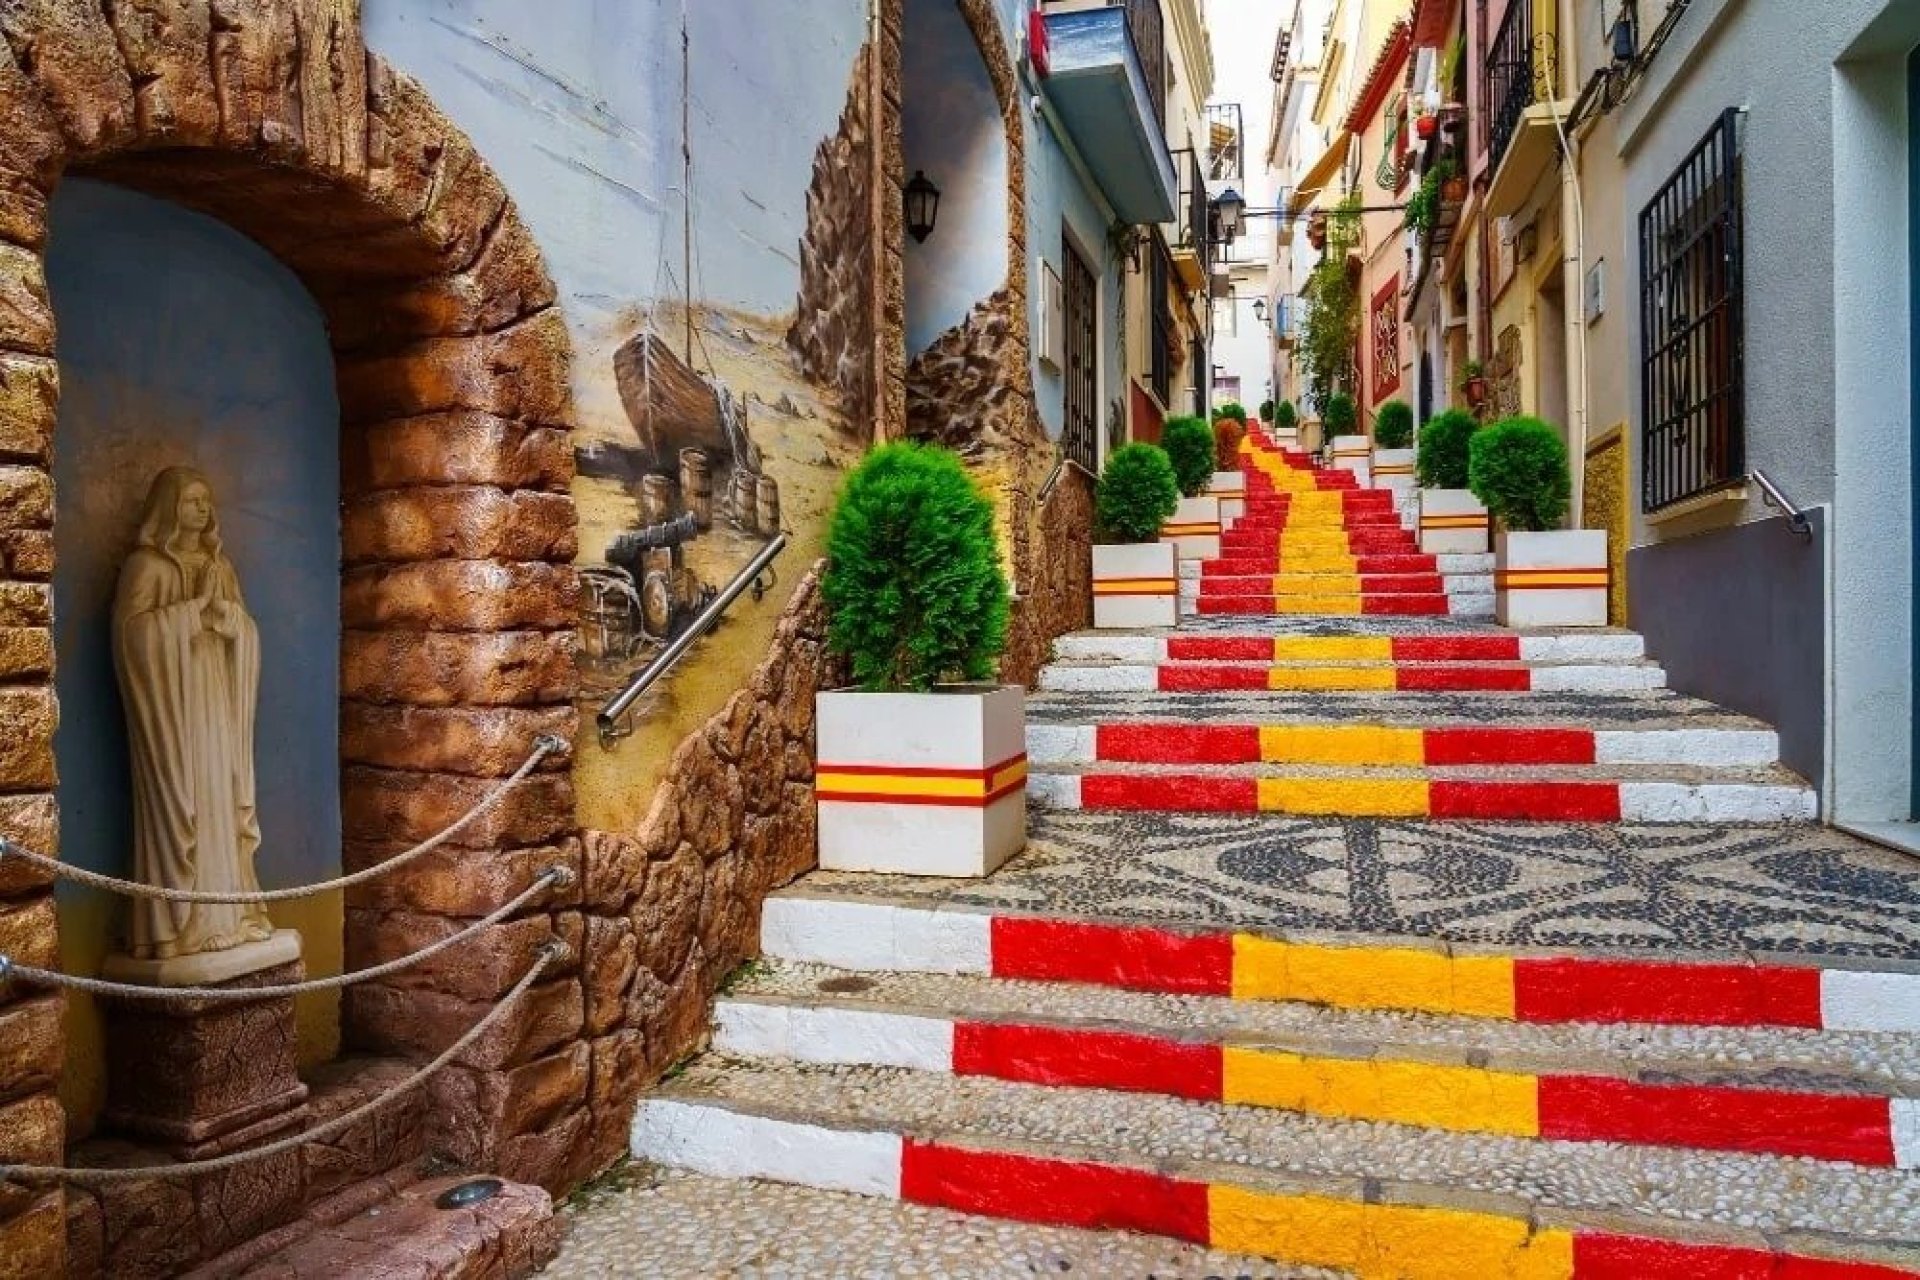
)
(743, 500)
(1194, 528)
(1556, 579)
(696, 485)
(1136, 584)
(1453, 522)
(656, 498)
(766, 495)
(1355, 454)
(1230, 489)
(925, 784)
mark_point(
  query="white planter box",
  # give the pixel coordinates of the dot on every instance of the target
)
(1453, 522)
(1230, 487)
(1135, 584)
(1393, 469)
(1556, 579)
(1355, 454)
(922, 784)
(1194, 528)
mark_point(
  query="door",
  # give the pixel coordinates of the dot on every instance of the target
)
(1081, 322)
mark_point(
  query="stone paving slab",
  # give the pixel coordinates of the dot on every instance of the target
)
(1771, 1195)
(1651, 709)
(649, 1222)
(1755, 1057)
(1797, 890)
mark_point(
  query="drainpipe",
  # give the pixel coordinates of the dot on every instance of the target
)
(1573, 236)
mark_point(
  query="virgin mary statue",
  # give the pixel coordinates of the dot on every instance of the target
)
(188, 659)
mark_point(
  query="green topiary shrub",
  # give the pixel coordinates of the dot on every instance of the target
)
(1266, 411)
(1285, 417)
(1393, 425)
(1231, 409)
(1518, 468)
(1442, 460)
(913, 588)
(1340, 417)
(1227, 435)
(1136, 493)
(1190, 448)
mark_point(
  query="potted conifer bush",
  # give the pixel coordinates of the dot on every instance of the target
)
(1286, 424)
(1135, 577)
(1194, 526)
(1340, 424)
(1544, 576)
(1452, 520)
(1392, 461)
(921, 766)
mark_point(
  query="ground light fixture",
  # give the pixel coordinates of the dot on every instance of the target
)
(923, 206)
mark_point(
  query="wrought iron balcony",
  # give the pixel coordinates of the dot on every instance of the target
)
(1511, 77)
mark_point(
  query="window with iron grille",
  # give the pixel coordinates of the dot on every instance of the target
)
(1692, 326)
(1160, 305)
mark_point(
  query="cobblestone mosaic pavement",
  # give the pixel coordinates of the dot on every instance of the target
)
(1650, 710)
(1791, 889)
(670, 1225)
(1214, 1143)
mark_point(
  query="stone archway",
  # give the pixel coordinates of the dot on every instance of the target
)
(458, 600)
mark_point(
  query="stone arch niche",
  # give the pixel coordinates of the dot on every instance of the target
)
(457, 600)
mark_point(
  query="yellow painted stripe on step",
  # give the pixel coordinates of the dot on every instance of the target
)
(1294, 679)
(1318, 560)
(1333, 648)
(1432, 1096)
(1341, 605)
(1372, 977)
(1361, 744)
(1317, 584)
(1385, 1241)
(1344, 797)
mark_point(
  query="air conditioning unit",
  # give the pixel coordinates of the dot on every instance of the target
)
(1052, 338)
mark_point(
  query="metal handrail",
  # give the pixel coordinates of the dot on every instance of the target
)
(617, 707)
(1775, 497)
(1052, 481)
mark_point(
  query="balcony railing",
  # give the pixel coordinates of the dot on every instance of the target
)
(1148, 28)
(1160, 304)
(1226, 143)
(1510, 77)
(1194, 228)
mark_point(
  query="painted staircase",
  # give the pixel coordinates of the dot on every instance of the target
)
(1149, 1023)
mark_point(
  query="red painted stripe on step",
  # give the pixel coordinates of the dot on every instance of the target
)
(1179, 793)
(1235, 604)
(1058, 1192)
(1220, 649)
(1177, 679)
(1529, 801)
(1701, 995)
(1767, 1121)
(1178, 744)
(1456, 648)
(1404, 605)
(1598, 1256)
(1085, 1059)
(1458, 678)
(1138, 959)
(1509, 746)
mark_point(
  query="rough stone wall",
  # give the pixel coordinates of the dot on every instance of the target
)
(1603, 495)
(672, 908)
(833, 327)
(966, 390)
(459, 601)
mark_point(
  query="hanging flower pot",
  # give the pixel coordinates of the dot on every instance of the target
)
(1426, 126)
(1454, 189)
(1317, 230)
(1476, 389)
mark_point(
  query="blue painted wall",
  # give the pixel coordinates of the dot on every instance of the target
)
(952, 130)
(183, 342)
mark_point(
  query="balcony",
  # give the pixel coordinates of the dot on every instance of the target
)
(1193, 233)
(1522, 75)
(1108, 82)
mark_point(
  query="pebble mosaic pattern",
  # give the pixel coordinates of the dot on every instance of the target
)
(1768, 1194)
(1791, 889)
(1650, 710)
(666, 1223)
(1761, 1056)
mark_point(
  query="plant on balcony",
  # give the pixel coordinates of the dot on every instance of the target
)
(1393, 425)
(1473, 383)
(1227, 435)
(1442, 460)
(1518, 468)
(1136, 493)
(1423, 207)
(1345, 226)
(1340, 416)
(1189, 446)
(913, 587)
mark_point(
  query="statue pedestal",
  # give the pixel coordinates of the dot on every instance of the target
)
(198, 1078)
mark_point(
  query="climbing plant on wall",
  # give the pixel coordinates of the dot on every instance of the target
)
(1330, 327)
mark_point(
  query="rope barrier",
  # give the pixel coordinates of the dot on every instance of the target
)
(543, 746)
(552, 950)
(552, 877)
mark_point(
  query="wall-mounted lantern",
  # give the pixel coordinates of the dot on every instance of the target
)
(1230, 206)
(923, 207)
(1260, 310)
(1626, 34)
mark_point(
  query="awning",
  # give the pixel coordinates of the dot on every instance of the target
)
(1317, 178)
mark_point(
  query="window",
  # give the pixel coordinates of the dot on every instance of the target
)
(1226, 387)
(1692, 326)
(1226, 317)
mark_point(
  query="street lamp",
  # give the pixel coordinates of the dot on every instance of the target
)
(1229, 207)
(1260, 310)
(923, 207)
